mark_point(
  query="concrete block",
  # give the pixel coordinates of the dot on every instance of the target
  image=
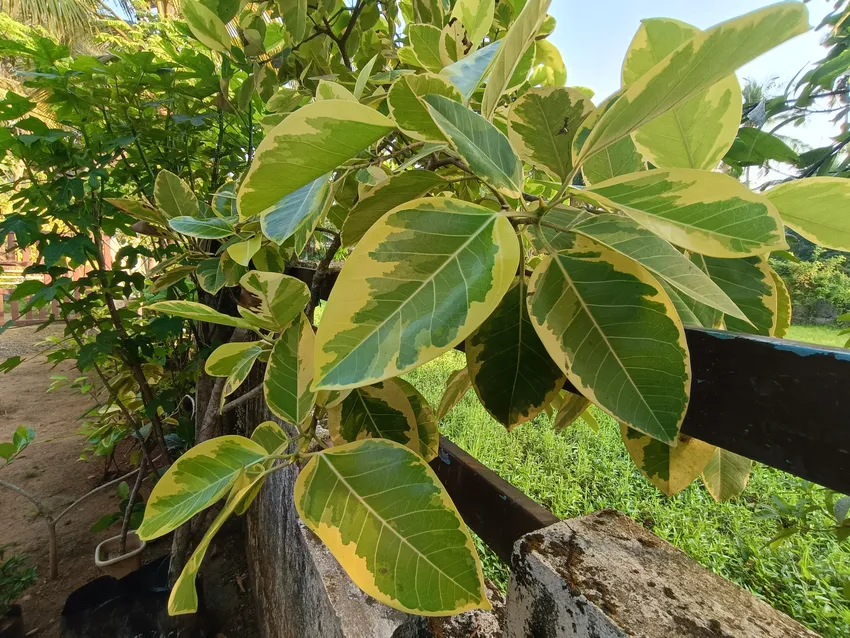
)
(605, 576)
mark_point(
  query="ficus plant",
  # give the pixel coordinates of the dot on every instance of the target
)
(475, 199)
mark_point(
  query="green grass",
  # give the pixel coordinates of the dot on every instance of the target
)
(823, 335)
(581, 471)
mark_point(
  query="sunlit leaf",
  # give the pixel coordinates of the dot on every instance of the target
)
(280, 298)
(410, 113)
(457, 385)
(726, 474)
(173, 196)
(289, 373)
(670, 469)
(817, 208)
(197, 312)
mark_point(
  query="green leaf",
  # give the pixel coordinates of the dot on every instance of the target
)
(513, 375)
(708, 213)
(410, 113)
(170, 278)
(388, 520)
(308, 144)
(480, 144)
(183, 598)
(209, 228)
(280, 298)
(195, 481)
(670, 469)
(363, 77)
(468, 74)
(421, 280)
(290, 372)
(571, 408)
(197, 312)
(328, 90)
(549, 68)
(242, 252)
(783, 306)
(270, 436)
(173, 196)
(234, 361)
(379, 411)
(753, 147)
(457, 385)
(726, 474)
(696, 133)
(224, 200)
(211, 275)
(475, 18)
(614, 332)
(621, 158)
(426, 421)
(294, 14)
(697, 64)
(658, 257)
(542, 124)
(425, 42)
(297, 214)
(520, 36)
(205, 25)
(749, 283)
(816, 208)
(395, 191)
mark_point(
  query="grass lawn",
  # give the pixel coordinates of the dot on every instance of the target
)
(581, 471)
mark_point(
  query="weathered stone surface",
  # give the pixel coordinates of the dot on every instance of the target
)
(604, 576)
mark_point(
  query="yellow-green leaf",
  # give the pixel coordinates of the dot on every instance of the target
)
(327, 90)
(549, 68)
(184, 598)
(208, 228)
(749, 283)
(616, 335)
(308, 144)
(270, 436)
(726, 474)
(195, 481)
(425, 42)
(421, 280)
(211, 275)
(296, 215)
(205, 25)
(379, 411)
(289, 373)
(670, 469)
(234, 361)
(572, 407)
(280, 298)
(783, 306)
(173, 196)
(198, 312)
(468, 74)
(410, 113)
(656, 255)
(513, 375)
(272, 439)
(395, 191)
(242, 252)
(817, 208)
(708, 213)
(697, 64)
(484, 147)
(457, 385)
(426, 421)
(698, 132)
(138, 210)
(388, 520)
(520, 36)
(542, 124)
(475, 17)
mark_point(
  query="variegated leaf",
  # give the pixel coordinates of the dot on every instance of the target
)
(484, 147)
(205, 25)
(296, 214)
(421, 280)
(410, 112)
(209, 228)
(749, 283)
(457, 385)
(670, 469)
(234, 361)
(388, 520)
(475, 17)
(289, 373)
(511, 371)
(426, 421)
(196, 480)
(698, 132)
(708, 213)
(697, 64)
(280, 298)
(615, 333)
(425, 42)
(242, 252)
(198, 312)
(327, 90)
(308, 144)
(542, 124)
(395, 191)
(468, 74)
(817, 208)
(173, 196)
(783, 306)
(571, 408)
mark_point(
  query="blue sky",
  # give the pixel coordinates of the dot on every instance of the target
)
(593, 38)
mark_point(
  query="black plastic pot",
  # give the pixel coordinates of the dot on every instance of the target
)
(12, 624)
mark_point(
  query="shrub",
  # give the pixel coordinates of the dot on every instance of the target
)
(820, 288)
(15, 578)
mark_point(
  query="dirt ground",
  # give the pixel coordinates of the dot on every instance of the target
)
(51, 470)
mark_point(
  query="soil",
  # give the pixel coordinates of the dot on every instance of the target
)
(51, 469)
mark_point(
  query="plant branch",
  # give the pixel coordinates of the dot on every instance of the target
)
(232, 405)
